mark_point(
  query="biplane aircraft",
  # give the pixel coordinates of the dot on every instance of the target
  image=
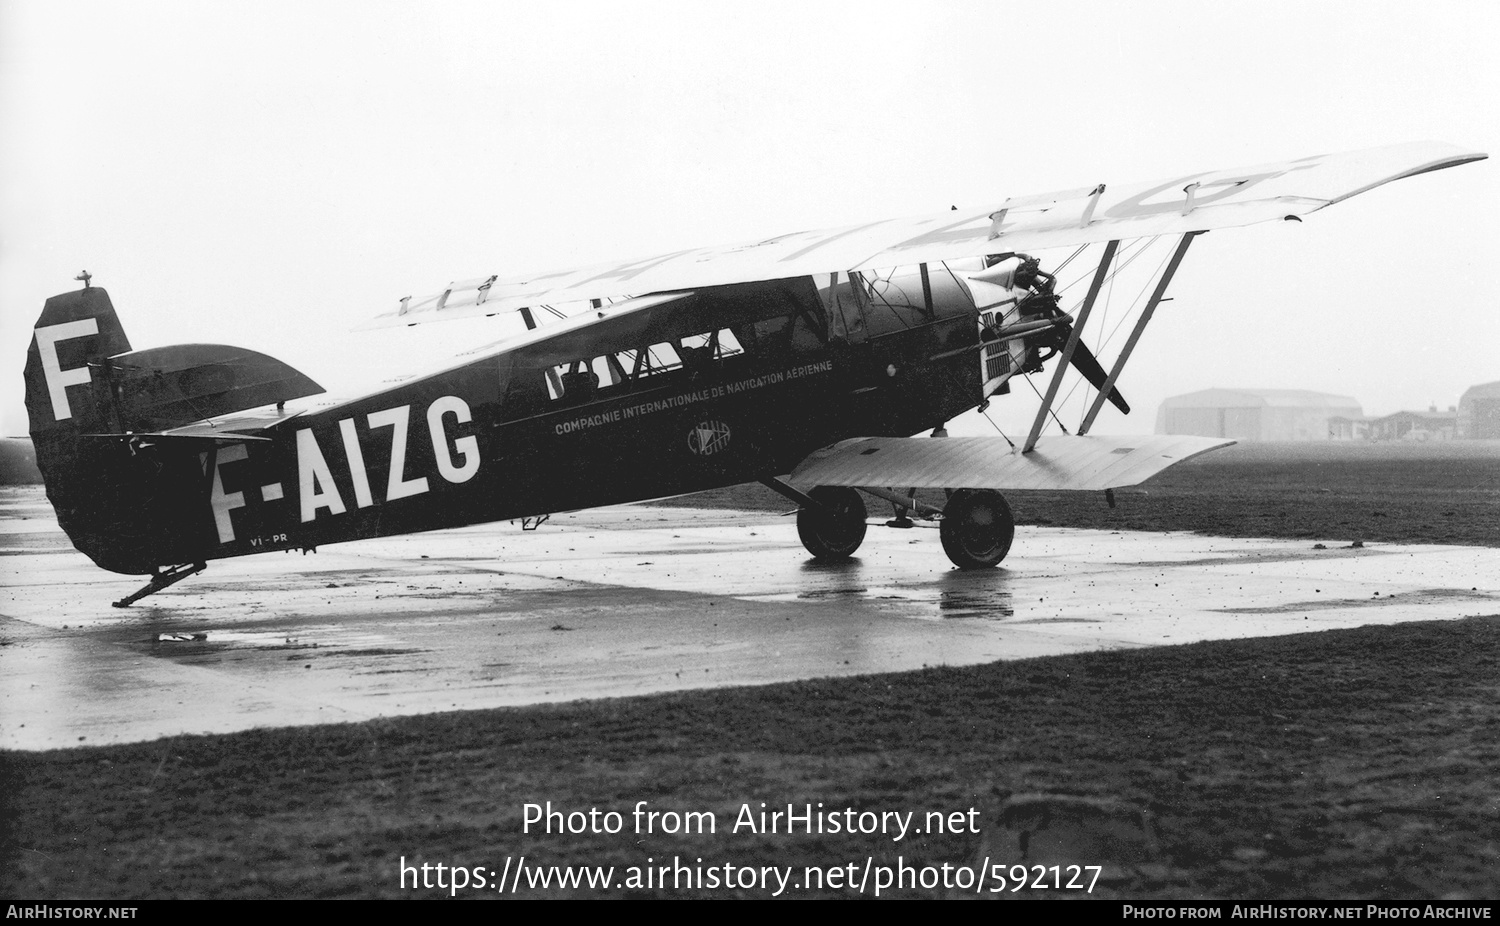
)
(805, 362)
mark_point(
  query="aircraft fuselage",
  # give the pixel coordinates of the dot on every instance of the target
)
(612, 410)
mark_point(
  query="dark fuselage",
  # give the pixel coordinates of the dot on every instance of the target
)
(717, 387)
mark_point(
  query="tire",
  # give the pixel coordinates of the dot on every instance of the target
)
(834, 535)
(977, 528)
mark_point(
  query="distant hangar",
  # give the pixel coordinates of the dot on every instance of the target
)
(1479, 412)
(1255, 414)
(1299, 415)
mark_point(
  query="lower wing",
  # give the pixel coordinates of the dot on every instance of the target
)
(1061, 462)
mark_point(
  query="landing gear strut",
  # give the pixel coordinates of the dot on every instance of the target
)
(159, 581)
(977, 528)
(833, 528)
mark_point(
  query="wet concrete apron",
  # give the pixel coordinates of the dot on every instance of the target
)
(629, 600)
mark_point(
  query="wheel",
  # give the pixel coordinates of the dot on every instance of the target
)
(977, 528)
(836, 534)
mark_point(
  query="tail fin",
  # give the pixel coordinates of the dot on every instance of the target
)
(64, 396)
(67, 398)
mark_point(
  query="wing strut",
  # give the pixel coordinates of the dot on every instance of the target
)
(1140, 326)
(1066, 356)
(782, 487)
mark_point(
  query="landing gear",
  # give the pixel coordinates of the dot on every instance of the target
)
(977, 528)
(835, 527)
(161, 579)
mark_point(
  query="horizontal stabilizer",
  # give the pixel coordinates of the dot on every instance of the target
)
(230, 430)
(164, 387)
(1059, 462)
(190, 433)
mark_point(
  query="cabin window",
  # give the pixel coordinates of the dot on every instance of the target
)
(702, 349)
(584, 379)
(773, 339)
(580, 379)
(897, 300)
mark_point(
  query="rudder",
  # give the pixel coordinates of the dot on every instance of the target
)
(75, 333)
(90, 482)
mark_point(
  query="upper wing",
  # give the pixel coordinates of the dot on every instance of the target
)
(1195, 202)
(1058, 462)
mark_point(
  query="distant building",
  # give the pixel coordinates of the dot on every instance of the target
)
(1429, 425)
(1256, 414)
(1479, 413)
(1342, 428)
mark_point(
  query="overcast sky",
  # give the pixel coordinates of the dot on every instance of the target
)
(272, 174)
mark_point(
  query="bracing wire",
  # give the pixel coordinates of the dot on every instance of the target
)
(1124, 317)
(1051, 411)
(987, 417)
(1121, 261)
(1155, 275)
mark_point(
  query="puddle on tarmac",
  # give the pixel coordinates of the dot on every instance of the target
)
(1414, 598)
(981, 601)
(992, 604)
(191, 644)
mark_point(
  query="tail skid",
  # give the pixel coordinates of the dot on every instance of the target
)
(162, 579)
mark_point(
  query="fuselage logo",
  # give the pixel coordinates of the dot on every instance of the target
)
(708, 437)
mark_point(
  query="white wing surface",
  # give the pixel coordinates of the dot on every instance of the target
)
(1194, 202)
(1060, 462)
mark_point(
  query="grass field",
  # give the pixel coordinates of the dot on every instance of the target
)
(1343, 764)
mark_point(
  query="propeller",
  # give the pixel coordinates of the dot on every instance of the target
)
(1029, 275)
(1088, 365)
(1085, 363)
(1042, 301)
